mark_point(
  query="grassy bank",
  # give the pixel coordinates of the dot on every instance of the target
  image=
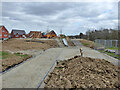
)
(6, 55)
(88, 43)
(9, 60)
(110, 54)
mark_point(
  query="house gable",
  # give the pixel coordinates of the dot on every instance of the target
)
(4, 32)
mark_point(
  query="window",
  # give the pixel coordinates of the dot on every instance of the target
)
(17, 35)
(0, 35)
(3, 31)
(5, 35)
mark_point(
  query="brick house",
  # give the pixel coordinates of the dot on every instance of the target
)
(35, 34)
(51, 34)
(4, 34)
(18, 34)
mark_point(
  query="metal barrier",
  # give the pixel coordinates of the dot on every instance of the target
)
(112, 45)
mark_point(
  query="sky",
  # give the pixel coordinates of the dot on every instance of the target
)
(72, 18)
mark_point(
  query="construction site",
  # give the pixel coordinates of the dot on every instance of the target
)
(50, 63)
(59, 45)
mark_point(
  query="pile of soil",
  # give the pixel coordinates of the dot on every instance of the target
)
(21, 44)
(83, 72)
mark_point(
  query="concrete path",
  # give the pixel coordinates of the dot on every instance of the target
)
(59, 43)
(29, 74)
(88, 52)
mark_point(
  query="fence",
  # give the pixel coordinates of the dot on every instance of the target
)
(110, 45)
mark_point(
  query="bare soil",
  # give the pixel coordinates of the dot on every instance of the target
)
(22, 44)
(83, 72)
(88, 43)
(11, 60)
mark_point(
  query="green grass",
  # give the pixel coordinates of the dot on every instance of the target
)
(102, 51)
(5, 55)
(112, 48)
(113, 55)
(23, 56)
(85, 44)
(110, 54)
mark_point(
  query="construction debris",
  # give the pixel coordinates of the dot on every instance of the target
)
(83, 72)
(109, 50)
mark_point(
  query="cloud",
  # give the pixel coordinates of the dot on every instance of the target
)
(72, 17)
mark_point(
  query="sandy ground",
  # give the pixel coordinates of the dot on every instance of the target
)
(22, 44)
(30, 73)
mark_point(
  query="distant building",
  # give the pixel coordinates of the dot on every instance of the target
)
(44, 35)
(18, 34)
(51, 34)
(35, 34)
(4, 34)
(62, 36)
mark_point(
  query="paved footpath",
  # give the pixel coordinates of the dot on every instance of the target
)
(88, 52)
(29, 74)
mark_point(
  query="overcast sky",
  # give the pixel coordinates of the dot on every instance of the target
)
(71, 17)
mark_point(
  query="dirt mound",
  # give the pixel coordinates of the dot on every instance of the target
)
(22, 44)
(81, 72)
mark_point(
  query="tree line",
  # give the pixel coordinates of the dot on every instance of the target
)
(107, 34)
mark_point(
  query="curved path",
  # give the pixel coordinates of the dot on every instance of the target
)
(30, 73)
(88, 52)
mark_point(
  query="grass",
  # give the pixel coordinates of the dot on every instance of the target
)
(85, 44)
(10, 60)
(113, 55)
(110, 54)
(112, 48)
(5, 55)
(88, 43)
(22, 55)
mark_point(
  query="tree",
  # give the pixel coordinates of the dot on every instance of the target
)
(81, 35)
